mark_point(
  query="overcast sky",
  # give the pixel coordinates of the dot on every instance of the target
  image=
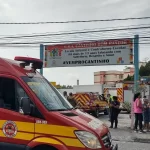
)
(65, 10)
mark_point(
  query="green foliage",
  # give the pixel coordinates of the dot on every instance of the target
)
(129, 78)
(64, 87)
(145, 70)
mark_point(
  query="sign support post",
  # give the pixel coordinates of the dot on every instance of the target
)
(136, 62)
(41, 56)
(136, 74)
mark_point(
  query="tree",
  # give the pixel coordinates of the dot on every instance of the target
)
(145, 70)
(129, 78)
(64, 87)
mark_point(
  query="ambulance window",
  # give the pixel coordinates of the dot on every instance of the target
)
(7, 94)
(47, 94)
(19, 94)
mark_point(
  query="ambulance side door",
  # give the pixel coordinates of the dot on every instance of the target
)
(16, 129)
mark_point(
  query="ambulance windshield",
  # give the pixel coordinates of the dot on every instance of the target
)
(47, 94)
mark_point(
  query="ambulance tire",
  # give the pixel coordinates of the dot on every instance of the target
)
(96, 113)
(105, 112)
(44, 147)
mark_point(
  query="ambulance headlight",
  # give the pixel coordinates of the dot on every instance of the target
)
(88, 139)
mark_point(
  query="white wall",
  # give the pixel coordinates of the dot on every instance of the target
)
(96, 79)
(113, 92)
(128, 96)
(88, 88)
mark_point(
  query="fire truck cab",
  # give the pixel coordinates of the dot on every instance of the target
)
(35, 116)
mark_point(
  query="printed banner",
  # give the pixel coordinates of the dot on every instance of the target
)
(106, 52)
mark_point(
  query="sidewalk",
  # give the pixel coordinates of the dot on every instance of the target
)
(124, 132)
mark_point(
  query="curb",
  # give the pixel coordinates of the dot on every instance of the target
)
(136, 140)
(115, 140)
(142, 140)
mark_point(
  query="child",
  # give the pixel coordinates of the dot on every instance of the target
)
(146, 114)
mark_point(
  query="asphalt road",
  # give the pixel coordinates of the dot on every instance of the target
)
(123, 136)
(133, 146)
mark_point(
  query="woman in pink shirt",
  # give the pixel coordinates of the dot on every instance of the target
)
(138, 111)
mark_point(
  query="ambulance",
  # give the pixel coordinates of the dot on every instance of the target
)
(35, 116)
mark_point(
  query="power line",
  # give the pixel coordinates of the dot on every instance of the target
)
(5, 36)
(88, 36)
(71, 40)
(32, 44)
(37, 47)
(58, 42)
(78, 21)
(80, 32)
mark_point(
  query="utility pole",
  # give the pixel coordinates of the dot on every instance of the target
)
(136, 62)
(136, 74)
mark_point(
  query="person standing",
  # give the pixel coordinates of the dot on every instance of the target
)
(138, 111)
(109, 100)
(65, 94)
(146, 114)
(114, 111)
(143, 99)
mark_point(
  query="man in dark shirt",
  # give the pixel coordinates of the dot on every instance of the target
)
(114, 111)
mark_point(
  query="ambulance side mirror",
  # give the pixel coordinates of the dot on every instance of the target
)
(25, 106)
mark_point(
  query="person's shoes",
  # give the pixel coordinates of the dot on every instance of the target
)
(136, 131)
(141, 131)
(111, 127)
(115, 127)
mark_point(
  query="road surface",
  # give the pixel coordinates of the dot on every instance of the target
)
(133, 146)
(124, 136)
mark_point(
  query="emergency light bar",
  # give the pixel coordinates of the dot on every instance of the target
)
(36, 63)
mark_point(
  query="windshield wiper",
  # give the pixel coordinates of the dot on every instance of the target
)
(71, 108)
(59, 109)
(64, 109)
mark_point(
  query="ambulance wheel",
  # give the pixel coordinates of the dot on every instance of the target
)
(96, 113)
(44, 147)
(105, 112)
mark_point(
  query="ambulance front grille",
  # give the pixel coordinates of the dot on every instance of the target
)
(107, 140)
